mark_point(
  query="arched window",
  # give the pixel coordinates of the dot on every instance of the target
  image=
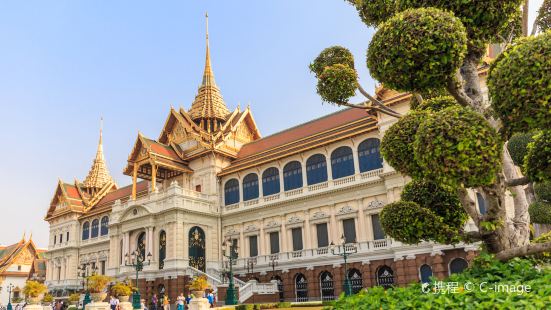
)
(385, 277)
(231, 192)
(292, 176)
(95, 228)
(85, 231)
(370, 155)
(162, 249)
(270, 181)
(104, 226)
(326, 286)
(425, 272)
(457, 265)
(250, 187)
(342, 162)
(301, 288)
(279, 287)
(141, 245)
(356, 281)
(481, 203)
(316, 169)
(196, 248)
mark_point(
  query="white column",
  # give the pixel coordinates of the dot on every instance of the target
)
(333, 233)
(361, 234)
(261, 241)
(356, 159)
(307, 235)
(329, 168)
(283, 236)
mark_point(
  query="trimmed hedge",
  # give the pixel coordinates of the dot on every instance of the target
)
(331, 56)
(337, 83)
(436, 104)
(540, 212)
(543, 190)
(518, 147)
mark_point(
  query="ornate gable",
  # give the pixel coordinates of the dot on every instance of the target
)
(67, 198)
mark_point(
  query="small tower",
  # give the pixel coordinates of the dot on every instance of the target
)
(99, 174)
(208, 110)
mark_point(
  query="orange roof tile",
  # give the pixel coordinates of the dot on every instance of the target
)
(122, 192)
(302, 131)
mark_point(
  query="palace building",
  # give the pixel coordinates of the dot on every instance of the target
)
(282, 199)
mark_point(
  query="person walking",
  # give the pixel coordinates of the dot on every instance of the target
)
(166, 303)
(210, 297)
(154, 302)
(181, 300)
(113, 302)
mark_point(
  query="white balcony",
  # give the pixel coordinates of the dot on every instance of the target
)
(361, 178)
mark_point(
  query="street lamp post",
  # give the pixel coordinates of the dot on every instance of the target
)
(249, 264)
(137, 261)
(84, 273)
(10, 287)
(230, 252)
(273, 264)
(345, 252)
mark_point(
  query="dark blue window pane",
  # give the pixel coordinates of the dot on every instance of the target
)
(85, 231)
(378, 232)
(104, 226)
(95, 228)
(370, 155)
(231, 192)
(270, 181)
(426, 273)
(316, 169)
(457, 265)
(250, 187)
(481, 203)
(292, 176)
(342, 162)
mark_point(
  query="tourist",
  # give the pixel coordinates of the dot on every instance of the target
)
(210, 297)
(113, 302)
(166, 303)
(181, 300)
(154, 302)
(142, 304)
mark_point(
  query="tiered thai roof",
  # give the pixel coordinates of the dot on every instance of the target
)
(10, 254)
(99, 175)
(208, 109)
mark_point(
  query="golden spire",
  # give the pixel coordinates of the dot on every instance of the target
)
(98, 175)
(208, 108)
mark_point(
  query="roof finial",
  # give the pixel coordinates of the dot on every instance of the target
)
(24, 233)
(98, 175)
(101, 131)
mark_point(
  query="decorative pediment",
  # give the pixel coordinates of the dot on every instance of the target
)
(250, 228)
(294, 220)
(345, 210)
(272, 224)
(231, 232)
(134, 212)
(319, 215)
(375, 204)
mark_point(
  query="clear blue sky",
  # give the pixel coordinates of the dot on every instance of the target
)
(63, 64)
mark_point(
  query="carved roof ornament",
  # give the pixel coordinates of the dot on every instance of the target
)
(99, 175)
(208, 108)
(251, 228)
(232, 231)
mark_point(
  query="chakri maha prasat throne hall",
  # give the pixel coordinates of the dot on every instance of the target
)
(210, 178)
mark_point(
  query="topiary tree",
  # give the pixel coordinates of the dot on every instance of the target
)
(543, 21)
(425, 45)
(543, 190)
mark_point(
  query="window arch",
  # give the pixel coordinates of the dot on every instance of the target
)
(316, 169)
(104, 226)
(327, 287)
(95, 228)
(196, 248)
(301, 288)
(481, 203)
(279, 287)
(385, 277)
(457, 265)
(231, 192)
(162, 249)
(355, 277)
(369, 155)
(85, 231)
(342, 162)
(270, 181)
(425, 272)
(250, 186)
(292, 176)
